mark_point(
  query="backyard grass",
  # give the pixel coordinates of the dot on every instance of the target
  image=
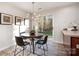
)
(49, 33)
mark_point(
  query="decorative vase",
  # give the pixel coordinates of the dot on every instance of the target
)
(32, 32)
(74, 28)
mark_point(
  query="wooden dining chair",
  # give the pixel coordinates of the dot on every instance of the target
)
(22, 44)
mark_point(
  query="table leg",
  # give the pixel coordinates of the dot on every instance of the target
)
(33, 46)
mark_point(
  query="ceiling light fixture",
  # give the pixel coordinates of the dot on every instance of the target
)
(33, 13)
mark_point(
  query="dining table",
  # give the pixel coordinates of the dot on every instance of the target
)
(33, 37)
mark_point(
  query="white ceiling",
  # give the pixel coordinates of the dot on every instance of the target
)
(28, 7)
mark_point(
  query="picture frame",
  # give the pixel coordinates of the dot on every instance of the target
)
(18, 20)
(6, 19)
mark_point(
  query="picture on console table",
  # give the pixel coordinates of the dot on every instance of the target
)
(6, 19)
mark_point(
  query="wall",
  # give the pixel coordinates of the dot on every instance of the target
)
(63, 17)
(6, 31)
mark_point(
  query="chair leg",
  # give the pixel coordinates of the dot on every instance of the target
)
(30, 48)
(44, 50)
(39, 46)
(23, 50)
(35, 45)
(47, 46)
(35, 48)
(15, 50)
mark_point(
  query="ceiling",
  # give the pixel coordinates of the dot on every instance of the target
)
(42, 6)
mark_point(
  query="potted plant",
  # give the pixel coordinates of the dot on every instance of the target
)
(32, 32)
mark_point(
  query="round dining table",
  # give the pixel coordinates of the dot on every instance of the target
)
(32, 39)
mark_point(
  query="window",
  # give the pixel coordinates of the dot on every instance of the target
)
(21, 28)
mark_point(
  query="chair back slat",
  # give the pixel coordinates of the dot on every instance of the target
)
(45, 39)
(19, 41)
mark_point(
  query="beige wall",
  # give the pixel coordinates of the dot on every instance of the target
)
(63, 17)
(6, 31)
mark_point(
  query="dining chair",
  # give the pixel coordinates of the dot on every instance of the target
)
(22, 44)
(42, 43)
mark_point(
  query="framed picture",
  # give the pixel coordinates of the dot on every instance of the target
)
(6, 19)
(18, 20)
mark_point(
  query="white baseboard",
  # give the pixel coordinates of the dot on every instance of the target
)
(58, 42)
(6, 47)
(53, 40)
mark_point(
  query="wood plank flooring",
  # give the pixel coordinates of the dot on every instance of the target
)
(54, 49)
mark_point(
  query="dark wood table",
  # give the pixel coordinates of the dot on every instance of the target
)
(33, 38)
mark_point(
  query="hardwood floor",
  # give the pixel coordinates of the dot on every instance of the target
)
(54, 49)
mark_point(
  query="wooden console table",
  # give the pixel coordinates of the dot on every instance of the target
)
(71, 38)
